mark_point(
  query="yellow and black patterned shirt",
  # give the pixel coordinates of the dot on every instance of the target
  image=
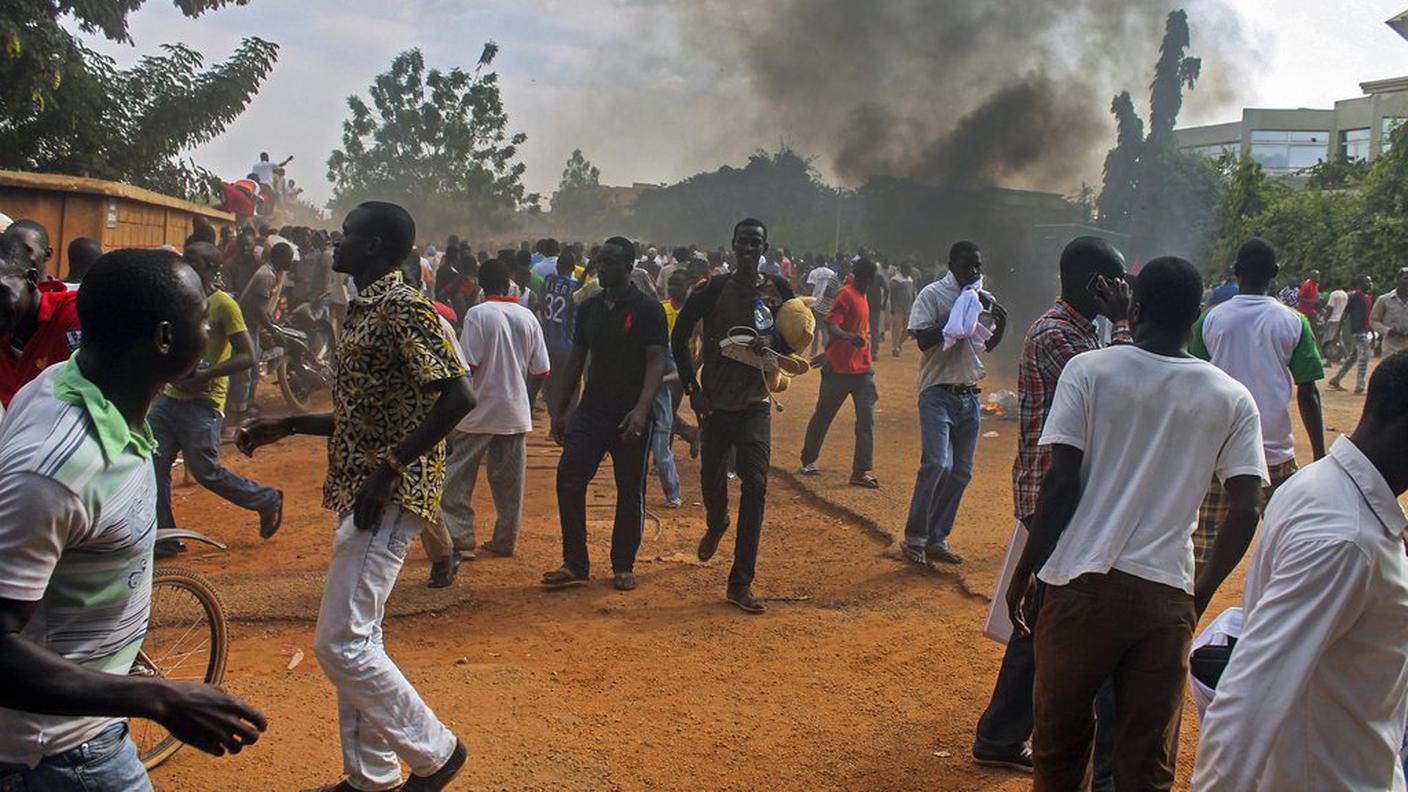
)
(392, 348)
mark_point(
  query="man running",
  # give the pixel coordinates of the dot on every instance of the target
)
(400, 390)
(732, 401)
(77, 526)
(1356, 321)
(187, 417)
(623, 332)
(848, 374)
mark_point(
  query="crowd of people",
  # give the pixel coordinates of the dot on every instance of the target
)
(1154, 431)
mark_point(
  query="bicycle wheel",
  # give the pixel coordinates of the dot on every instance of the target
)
(187, 639)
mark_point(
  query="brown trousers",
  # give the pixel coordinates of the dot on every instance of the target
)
(1124, 628)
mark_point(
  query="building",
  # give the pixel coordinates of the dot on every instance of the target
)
(1288, 142)
(116, 215)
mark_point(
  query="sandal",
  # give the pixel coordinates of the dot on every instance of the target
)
(562, 577)
(865, 480)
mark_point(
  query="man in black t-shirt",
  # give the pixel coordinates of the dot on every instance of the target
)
(625, 334)
(732, 401)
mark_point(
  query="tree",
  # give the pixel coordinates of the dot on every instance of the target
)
(131, 125)
(1166, 199)
(436, 143)
(1246, 195)
(40, 55)
(579, 206)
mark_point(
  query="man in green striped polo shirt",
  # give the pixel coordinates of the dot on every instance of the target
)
(77, 527)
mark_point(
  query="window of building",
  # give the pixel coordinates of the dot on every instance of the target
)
(1213, 150)
(1282, 152)
(1354, 144)
(1390, 124)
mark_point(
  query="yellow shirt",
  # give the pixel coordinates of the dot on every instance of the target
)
(225, 320)
(671, 313)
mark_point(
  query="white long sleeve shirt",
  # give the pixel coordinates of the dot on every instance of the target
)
(1316, 693)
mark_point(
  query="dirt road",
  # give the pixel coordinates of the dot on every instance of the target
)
(865, 674)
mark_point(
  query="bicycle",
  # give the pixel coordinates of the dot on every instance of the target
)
(187, 639)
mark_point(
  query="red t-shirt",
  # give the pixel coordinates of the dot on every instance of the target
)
(851, 312)
(56, 337)
(1307, 298)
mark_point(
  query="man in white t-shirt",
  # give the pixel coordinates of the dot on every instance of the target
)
(265, 168)
(1111, 539)
(504, 348)
(1266, 346)
(1334, 321)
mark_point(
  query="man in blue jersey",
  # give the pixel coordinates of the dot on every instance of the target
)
(558, 315)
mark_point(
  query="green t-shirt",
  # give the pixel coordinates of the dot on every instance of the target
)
(225, 320)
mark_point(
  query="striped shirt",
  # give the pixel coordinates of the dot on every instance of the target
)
(77, 529)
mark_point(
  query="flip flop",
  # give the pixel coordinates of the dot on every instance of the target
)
(562, 578)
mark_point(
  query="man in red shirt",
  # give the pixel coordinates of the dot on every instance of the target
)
(38, 322)
(1308, 299)
(847, 373)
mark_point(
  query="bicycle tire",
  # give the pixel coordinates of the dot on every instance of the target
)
(209, 599)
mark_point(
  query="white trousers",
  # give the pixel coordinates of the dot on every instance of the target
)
(383, 720)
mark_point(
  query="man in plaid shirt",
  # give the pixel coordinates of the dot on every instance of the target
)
(1092, 284)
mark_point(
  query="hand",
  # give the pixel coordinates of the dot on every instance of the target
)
(207, 717)
(699, 403)
(557, 432)
(1019, 595)
(858, 341)
(372, 497)
(634, 425)
(1112, 298)
(260, 432)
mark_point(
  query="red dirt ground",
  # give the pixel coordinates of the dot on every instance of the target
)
(865, 674)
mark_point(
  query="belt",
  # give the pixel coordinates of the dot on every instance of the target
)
(962, 390)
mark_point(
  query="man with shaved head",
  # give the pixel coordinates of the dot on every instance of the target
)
(82, 252)
(38, 319)
(188, 415)
(400, 390)
(33, 239)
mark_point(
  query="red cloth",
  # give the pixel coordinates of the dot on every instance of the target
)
(446, 311)
(850, 311)
(239, 196)
(55, 338)
(1308, 297)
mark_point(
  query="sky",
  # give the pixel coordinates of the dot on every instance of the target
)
(630, 83)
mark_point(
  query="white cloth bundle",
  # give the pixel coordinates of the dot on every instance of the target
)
(963, 319)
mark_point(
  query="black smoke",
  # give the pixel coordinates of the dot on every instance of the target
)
(972, 92)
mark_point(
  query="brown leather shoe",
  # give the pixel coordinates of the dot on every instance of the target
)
(744, 600)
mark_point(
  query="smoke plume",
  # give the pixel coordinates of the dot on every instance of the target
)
(969, 92)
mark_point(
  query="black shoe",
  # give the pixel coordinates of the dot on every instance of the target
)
(745, 601)
(440, 778)
(624, 581)
(341, 786)
(710, 543)
(942, 554)
(442, 573)
(1020, 760)
(169, 548)
(271, 519)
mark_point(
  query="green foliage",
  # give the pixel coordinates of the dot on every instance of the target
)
(1116, 199)
(781, 188)
(580, 206)
(40, 56)
(1337, 173)
(86, 117)
(1171, 74)
(436, 143)
(1342, 224)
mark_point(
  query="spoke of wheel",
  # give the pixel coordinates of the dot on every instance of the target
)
(179, 641)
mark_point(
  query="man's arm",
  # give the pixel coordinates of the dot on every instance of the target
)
(999, 318)
(1055, 506)
(637, 421)
(1316, 590)
(1234, 536)
(695, 307)
(1376, 317)
(1308, 399)
(571, 380)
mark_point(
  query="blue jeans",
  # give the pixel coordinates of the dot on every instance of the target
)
(948, 427)
(662, 421)
(108, 762)
(192, 427)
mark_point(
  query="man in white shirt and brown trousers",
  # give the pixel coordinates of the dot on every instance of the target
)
(1112, 536)
(1316, 693)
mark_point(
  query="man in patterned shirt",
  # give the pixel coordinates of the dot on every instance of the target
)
(1092, 284)
(77, 527)
(400, 390)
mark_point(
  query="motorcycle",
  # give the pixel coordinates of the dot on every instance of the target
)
(302, 374)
